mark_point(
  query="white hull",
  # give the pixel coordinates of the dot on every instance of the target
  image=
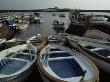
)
(49, 76)
(23, 26)
(21, 74)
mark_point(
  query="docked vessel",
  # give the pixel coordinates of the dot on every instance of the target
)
(59, 64)
(16, 63)
(62, 15)
(38, 41)
(58, 26)
(99, 53)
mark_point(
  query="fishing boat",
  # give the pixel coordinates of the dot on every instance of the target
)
(59, 64)
(16, 63)
(57, 25)
(38, 41)
(53, 14)
(98, 53)
(62, 15)
(23, 25)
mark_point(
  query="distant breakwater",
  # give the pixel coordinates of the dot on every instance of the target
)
(59, 10)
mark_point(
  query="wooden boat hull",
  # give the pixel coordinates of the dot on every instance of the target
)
(19, 78)
(49, 78)
(102, 62)
(45, 76)
(21, 75)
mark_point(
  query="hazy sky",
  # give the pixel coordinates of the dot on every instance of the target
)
(37, 4)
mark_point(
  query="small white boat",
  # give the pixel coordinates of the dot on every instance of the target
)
(38, 41)
(59, 64)
(58, 25)
(53, 14)
(62, 15)
(16, 63)
(23, 25)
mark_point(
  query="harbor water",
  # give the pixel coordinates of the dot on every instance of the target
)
(45, 28)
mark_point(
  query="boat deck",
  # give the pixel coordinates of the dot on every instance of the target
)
(66, 68)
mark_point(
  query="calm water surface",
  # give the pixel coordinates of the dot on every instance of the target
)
(45, 28)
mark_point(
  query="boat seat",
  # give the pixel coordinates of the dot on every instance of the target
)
(56, 54)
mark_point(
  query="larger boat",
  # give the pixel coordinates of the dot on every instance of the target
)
(16, 63)
(59, 64)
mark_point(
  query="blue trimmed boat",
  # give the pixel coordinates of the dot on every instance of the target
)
(97, 52)
(16, 63)
(59, 64)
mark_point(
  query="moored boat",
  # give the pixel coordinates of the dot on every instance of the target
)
(59, 64)
(23, 25)
(57, 25)
(100, 56)
(98, 53)
(38, 41)
(62, 15)
(16, 63)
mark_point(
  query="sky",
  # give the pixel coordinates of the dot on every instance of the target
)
(42, 4)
